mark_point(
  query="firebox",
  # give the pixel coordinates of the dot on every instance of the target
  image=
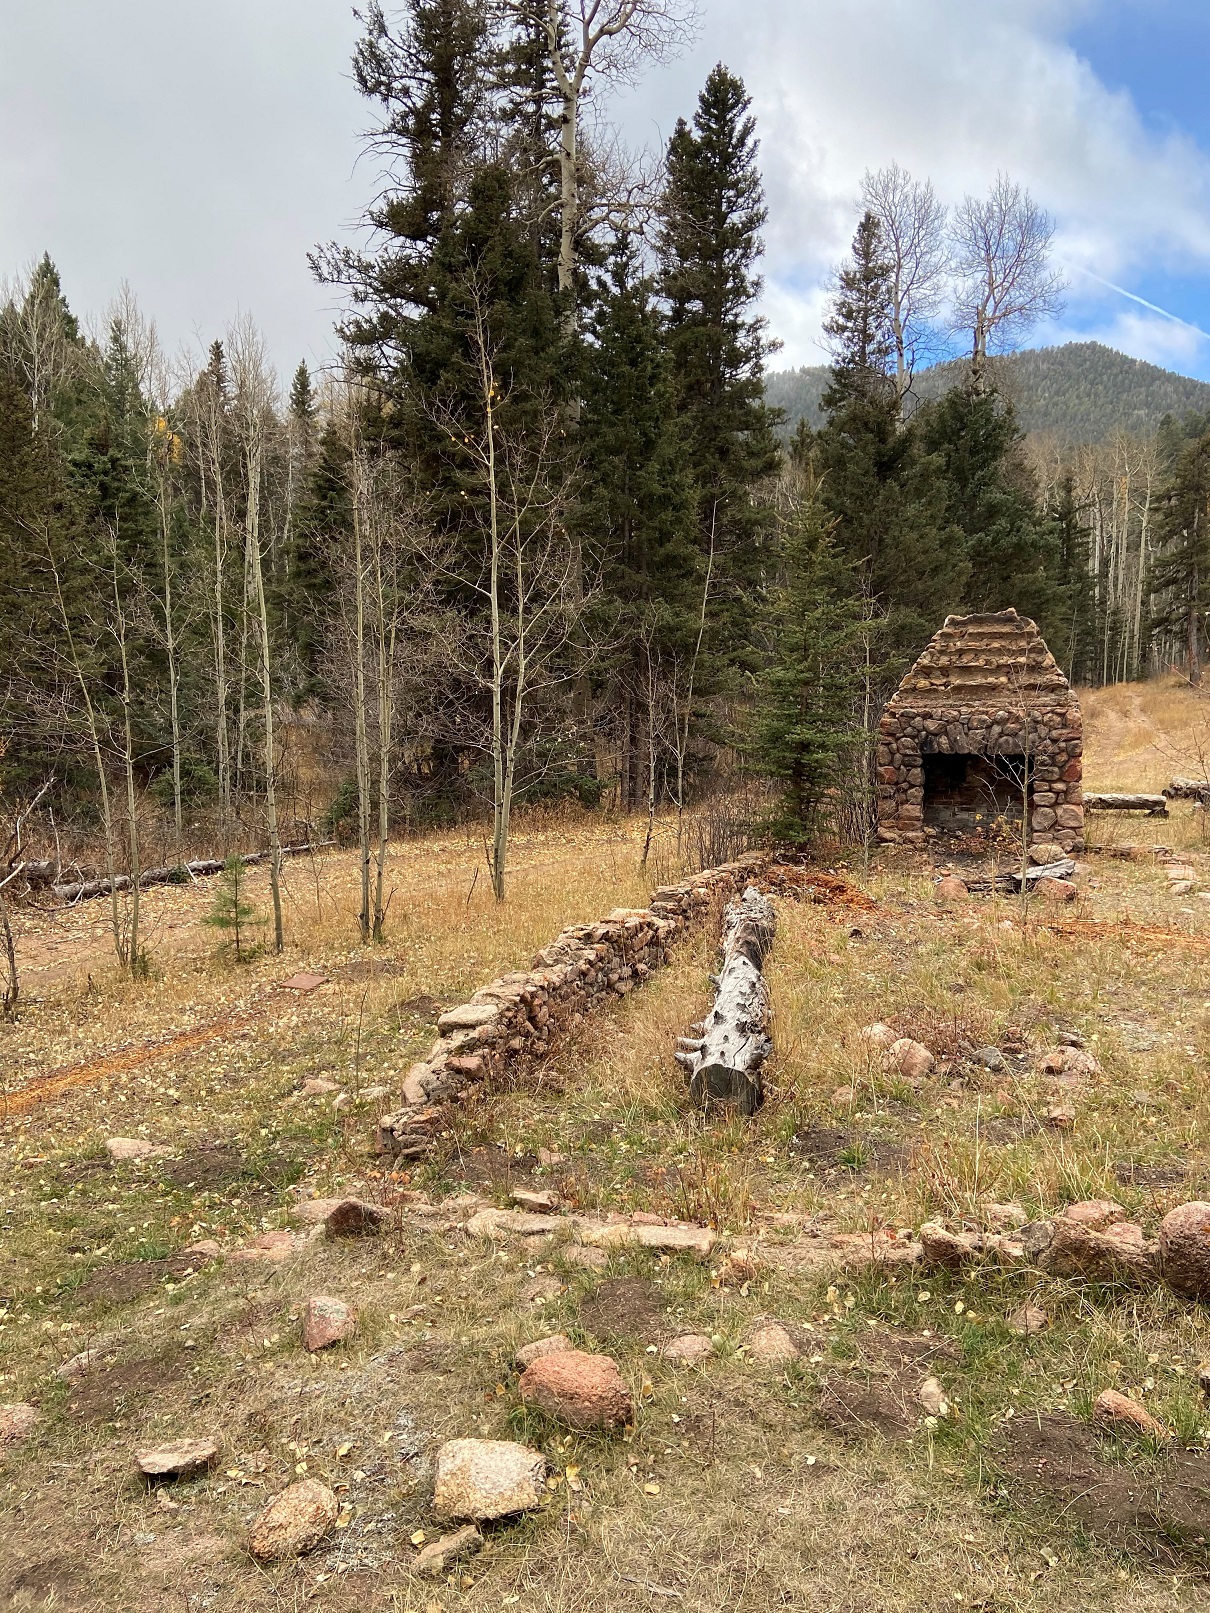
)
(967, 793)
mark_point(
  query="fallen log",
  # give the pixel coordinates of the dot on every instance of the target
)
(84, 890)
(1188, 789)
(724, 1062)
(1112, 801)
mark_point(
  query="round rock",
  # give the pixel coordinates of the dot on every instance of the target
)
(479, 1479)
(1056, 890)
(689, 1347)
(1184, 1238)
(294, 1521)
(126, 1148)
(950, 889)
(327, 1321)
(771, 1345)
(581, 1390)
(910, 1059)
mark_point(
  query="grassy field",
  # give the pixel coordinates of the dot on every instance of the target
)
(817, 1483)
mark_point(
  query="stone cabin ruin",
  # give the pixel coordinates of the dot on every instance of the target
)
(984, 717)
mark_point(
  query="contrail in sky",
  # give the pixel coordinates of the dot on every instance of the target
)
(1142, 302)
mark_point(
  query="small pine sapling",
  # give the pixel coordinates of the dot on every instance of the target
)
(231, 914)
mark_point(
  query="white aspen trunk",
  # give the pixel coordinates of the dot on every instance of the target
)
(385, 630)
(724, 1064)
(115, 914)
(361, 738)
(174, 675)
(132, 821)
(1144, 527)
(270, 762)
(222, 731)
(501, 797)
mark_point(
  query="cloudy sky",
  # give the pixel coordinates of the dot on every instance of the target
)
(199, 151)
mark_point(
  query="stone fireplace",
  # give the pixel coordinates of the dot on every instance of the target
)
(983, 719)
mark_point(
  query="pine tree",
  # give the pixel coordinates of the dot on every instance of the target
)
(1009, 545)
(427, 70)
(806, 731)
(712, 214)
(637, 505)
(231, 913)
(859, 327)
(882, 488)
(1181, 577)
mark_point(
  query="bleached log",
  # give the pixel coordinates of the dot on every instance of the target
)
(1188, 789)
(724, 1064)
(83, 890)
(1121, 801)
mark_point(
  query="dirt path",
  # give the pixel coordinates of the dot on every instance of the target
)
(41, 1088)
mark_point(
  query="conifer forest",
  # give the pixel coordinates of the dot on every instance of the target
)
(540, 536)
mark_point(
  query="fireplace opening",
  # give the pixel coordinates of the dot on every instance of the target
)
(967, 793)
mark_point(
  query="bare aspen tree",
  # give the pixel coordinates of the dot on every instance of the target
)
(209, 410)
(80, 674)
(1000, 247)
(599, 40)
(163, 452)
(359, 498)
(134, 957)
(913, 242)
(253, 408)
(525, 571)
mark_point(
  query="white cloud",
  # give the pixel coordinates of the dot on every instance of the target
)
(955, 91)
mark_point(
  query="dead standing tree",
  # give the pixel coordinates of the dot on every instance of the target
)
(1000, 248)
(382, 609)
(913, 242)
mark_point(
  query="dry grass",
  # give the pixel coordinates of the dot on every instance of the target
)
(732, 1490)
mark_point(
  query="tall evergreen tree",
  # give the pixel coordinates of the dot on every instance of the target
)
(1009, 545)
(1181, 576)
(427, 70)
(807, 731)
(712, 214)
(859, 327)
(879, 483)
(637, 506)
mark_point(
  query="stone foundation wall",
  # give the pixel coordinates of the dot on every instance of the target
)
(1056, 747)
(521, 1017)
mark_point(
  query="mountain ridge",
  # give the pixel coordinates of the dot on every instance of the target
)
(1080, 391)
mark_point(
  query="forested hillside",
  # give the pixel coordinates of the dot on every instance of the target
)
(1080, 392)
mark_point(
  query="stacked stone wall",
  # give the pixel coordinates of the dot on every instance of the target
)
(520, 1018)
(1052, 735)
